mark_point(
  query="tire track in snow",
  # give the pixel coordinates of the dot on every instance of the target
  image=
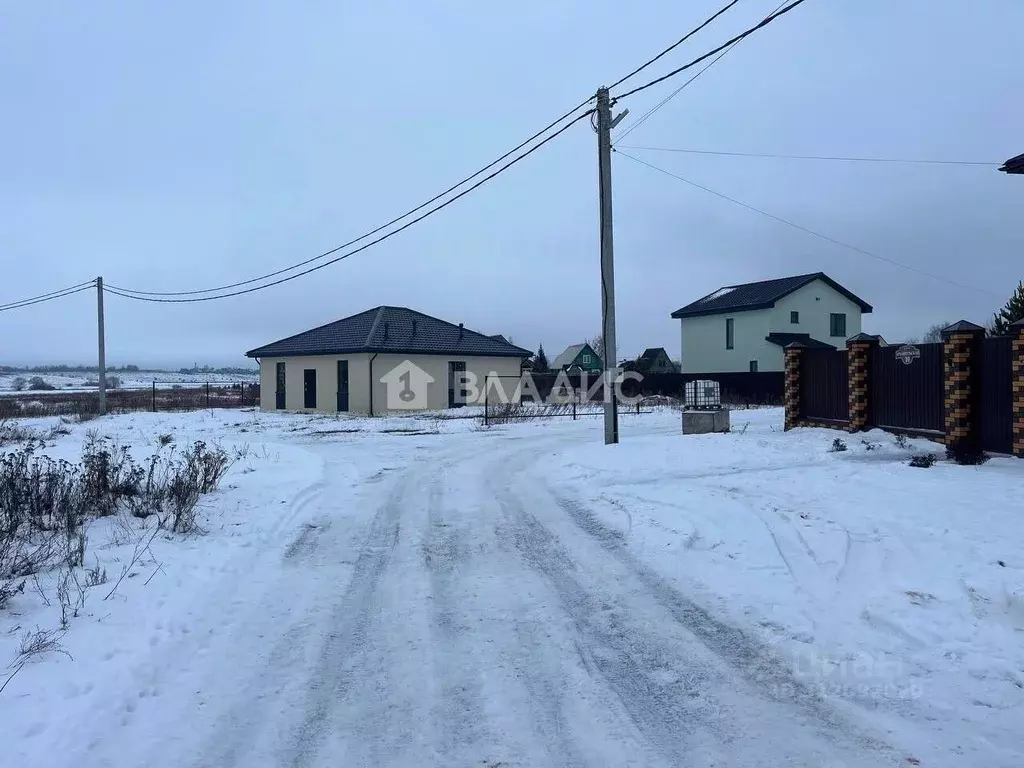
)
(755, 663)
(337, 669)
(458, 720)
(664, 702)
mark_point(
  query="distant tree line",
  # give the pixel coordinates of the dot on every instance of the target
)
(65, 368)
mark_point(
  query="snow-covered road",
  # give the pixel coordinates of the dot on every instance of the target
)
(449, 609)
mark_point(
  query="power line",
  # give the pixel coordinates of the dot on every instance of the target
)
(560, 131)
(646, 116)
(809, 231)
(59, 294)
(318, 257)
(362, 237)
(812, 157)
(763, 23)
(675, 45)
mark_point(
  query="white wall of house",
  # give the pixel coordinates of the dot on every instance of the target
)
(359, 375)
(815, 302)
(703, 338)
(704, 348)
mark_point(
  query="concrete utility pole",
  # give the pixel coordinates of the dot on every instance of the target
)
(605, 123)
(102, 363)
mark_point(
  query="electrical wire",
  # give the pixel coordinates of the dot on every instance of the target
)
(332, 251)
(362, 237)
(502, 169)
(646, 116)
(802, 228)
(763, 23)
(812, 157)
(675, 45)
(60, 294)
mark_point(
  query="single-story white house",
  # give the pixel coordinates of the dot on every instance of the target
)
(384, 359)
(746, 327)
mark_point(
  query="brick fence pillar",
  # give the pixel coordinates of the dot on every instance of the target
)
(793, 384)
(858, 363)
(960, 354)
(1017, 329)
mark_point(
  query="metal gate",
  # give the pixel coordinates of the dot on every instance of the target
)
(907, 387)
(824, 385)
(995, 400)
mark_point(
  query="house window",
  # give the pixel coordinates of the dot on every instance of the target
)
(753, 366)
(837, 324)
(586, 358)
(729, 333)
(794, 317)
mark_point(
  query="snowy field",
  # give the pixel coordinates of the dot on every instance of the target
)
(420, 591)
(73, 382)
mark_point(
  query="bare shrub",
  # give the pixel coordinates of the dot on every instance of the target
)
(923, 460)
(9, 589)
(164, 440)
(45, 504)
(39, 643)
(901, 441)
(95, 576)
(19, 383)
(70, 596)
(39, 384)
(838, 445)
(12, 432)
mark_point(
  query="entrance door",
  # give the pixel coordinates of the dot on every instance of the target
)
(279, 389)
(309, 388)
(343, 386)
(456, 383)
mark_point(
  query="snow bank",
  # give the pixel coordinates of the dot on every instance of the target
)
(891, 588)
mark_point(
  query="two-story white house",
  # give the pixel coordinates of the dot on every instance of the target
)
(746, 327)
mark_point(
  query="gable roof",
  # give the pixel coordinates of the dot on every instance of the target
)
(569, 354)
(390, 329)
(759, 295)
(651, 354)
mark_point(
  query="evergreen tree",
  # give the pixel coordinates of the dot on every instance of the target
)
(1011, 313)
(540, 361)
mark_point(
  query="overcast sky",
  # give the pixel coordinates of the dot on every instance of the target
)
(185, 145)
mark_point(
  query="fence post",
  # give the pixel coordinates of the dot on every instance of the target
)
(575, 397)
(1017, 329)
(154, 396)
(485, 398)
(961, 366)
(207, 394)
(858, 365)
(792, 392)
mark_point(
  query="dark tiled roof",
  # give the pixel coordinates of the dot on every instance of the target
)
(782, 339)
(760, 295)
(390, 329)
(651, 353)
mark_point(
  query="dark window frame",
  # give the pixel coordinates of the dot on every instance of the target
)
(837, 325)
(730, 333)
(753, 366)
(794, 317)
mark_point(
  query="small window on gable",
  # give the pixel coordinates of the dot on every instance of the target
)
(753, 366)
(586, 358)
(729, 333)
(794, 317)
